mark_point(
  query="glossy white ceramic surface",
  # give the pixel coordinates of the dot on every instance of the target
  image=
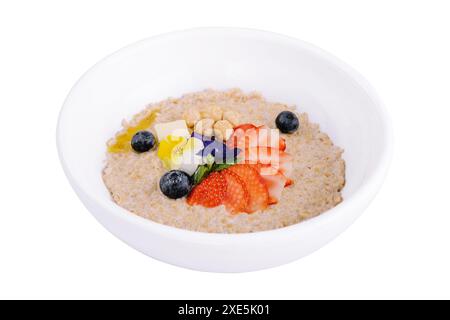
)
(282, 69)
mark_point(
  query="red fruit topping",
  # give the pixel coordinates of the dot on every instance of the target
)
(254, 183)
(243, 136)
(282, 144)
(275, 185)
(274, 181)
(210, 192)
(245, 126)
(237, 196)
(257, 190)
(288, 182)
(262, 155)
(248, 136)
(268, 137)
(286, 164)
(272, 160)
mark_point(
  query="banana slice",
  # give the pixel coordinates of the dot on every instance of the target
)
(176, 128)
(180, 153)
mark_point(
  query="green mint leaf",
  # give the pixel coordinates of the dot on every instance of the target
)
(204, 170)
(209, 159)
(221, 166)
(201, 173)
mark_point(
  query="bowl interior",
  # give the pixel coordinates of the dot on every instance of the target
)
(281, 69)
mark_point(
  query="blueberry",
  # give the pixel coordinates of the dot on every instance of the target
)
(175, 184)
(143, 141)
(287, 122)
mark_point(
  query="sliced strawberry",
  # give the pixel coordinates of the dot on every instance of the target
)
(263, 150)
(273, 179)
(237, 196)
(272, 160)
(282, 144)
(288, 182)
(258, 193)
(268, 137)
(244, 136)
(262, 155)
(278, 159)
(275, 185)
(249, 136)
(239, 133)
(286, 164)
(263, 169)
(245, 126)
(210, 192)
(268, 170)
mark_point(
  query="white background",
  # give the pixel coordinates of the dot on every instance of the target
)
(51, 247)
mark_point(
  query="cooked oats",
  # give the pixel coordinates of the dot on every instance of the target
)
(318, 174)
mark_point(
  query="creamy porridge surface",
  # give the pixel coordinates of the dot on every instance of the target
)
(318, 170)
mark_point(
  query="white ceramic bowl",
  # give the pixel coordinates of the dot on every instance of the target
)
(282, 69)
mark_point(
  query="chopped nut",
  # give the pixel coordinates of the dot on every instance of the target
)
(223, 129)
(204, 127)
(232, 117)
(191, 116)
(214, 112)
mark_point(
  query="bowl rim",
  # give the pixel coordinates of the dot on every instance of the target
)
(359, 199)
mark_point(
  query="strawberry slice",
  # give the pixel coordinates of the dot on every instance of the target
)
(277, 159)
(249, 136)
(286, 164)
(263, 169)
(240, 131)
(210, 192)
(288, 182)
(282, 144)
(275, 185)
(262, 155)
(243, 137)
(245, 126)
(274, 181)
(268, 137)
(257, 190)
(237, 196)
